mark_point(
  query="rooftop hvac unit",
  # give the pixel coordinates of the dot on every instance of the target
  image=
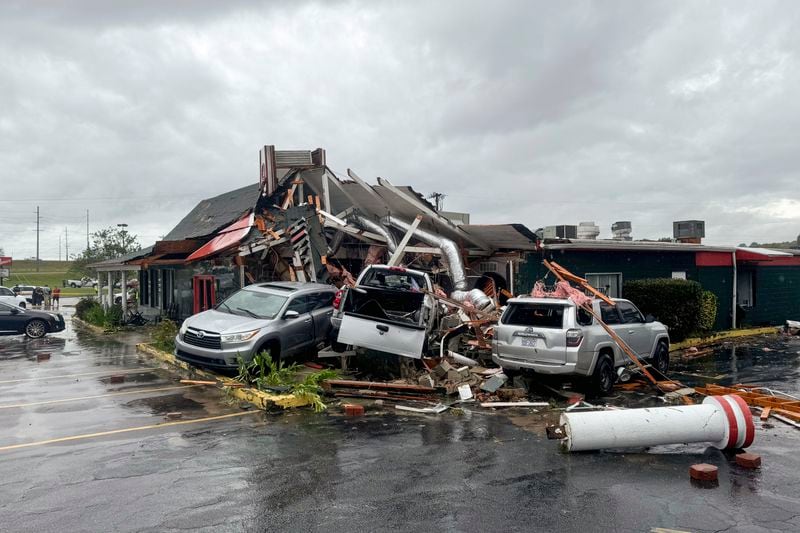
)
(689, 229)
(621, 231)
(560, 232)
(588, 230)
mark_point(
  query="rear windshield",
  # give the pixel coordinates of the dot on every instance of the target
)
(535, 315)
(393, 279)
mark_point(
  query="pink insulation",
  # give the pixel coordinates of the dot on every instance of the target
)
(562, 290)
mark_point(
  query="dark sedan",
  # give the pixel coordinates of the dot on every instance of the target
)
(33, 323)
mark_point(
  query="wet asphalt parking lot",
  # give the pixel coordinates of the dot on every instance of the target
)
(79, 453)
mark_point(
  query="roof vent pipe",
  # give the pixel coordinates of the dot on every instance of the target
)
(448, 247)
(369, 225)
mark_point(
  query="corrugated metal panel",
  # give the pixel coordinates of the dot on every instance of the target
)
(293, 158)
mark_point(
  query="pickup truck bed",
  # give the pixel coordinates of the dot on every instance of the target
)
(385, 304)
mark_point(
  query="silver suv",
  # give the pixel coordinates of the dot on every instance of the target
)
(555, 336)
(285, 318)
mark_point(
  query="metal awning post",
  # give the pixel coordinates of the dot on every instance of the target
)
(110, 301)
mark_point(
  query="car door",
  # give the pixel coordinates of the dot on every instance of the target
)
(634, 330)
(7, 296)
(12, 319)
(297, 332)
(321, 304)
(610, 315)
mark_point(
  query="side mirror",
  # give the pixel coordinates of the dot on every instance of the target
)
(649, 318)
(290, 314)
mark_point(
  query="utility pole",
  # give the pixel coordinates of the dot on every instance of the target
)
(59, 247)
(37, 238)
(66, 243)
(87, 232)
(438, 198)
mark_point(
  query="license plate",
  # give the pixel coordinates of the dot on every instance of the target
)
(529, 343)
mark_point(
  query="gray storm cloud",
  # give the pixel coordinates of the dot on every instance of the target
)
(531, 112)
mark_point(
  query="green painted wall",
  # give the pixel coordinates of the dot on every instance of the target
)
(777, 296)
(719, 280)
(632, 264)
(640, 264)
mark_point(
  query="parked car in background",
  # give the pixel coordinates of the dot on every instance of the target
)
(284, 318)
(35, 324)
(26, 291)
(391, 309)
(555, 336)
(83, 282)
(9, 297)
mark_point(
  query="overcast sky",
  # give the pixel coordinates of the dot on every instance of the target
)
(532, 112)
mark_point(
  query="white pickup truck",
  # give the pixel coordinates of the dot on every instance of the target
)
(83, 282)
(391, 309)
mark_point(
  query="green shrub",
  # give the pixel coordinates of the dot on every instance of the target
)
(114, 316)
(95, 315)
(708, 311)
(675, 302)
(84, 305)
(164, 335)
(263, 372)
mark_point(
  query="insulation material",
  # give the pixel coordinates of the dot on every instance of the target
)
(375, 255)
(562, 289)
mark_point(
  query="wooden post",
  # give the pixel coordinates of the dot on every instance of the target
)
(398, 253)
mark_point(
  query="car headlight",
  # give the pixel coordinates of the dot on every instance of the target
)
(181, 331)
(240, 337)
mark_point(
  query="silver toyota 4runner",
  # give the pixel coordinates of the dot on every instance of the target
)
(555, 336)
(285, 318)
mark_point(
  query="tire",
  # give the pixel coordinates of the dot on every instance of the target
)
(338, 347)
(36, 329)
(23, 305)
(661, 358)
(604, 376)
(272, 347)
(73, 285)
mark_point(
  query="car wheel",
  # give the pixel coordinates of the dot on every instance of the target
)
(36, 329)
(661, 358)
(23, 305)
(73, 285)
(604, 376)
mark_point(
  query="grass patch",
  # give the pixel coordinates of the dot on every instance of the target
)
(51, 274)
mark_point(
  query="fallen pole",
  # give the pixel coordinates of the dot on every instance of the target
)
(723, 421)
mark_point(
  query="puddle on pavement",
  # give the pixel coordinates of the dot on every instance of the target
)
(772, 360)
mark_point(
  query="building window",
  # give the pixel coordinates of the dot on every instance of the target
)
(681, 274)
(744, 288)
(609, 283)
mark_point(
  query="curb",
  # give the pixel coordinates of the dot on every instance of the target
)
(722, 335)
(257, 398)
(90, 327)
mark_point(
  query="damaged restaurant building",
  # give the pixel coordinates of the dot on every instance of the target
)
(302, 222)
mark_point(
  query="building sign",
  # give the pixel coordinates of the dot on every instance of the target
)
(4, 273)
(5, 261)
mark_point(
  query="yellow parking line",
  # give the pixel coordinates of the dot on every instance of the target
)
(139, 391)
(125, 430)
(60, 376)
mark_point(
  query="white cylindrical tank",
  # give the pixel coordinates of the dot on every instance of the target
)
(723, 421)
